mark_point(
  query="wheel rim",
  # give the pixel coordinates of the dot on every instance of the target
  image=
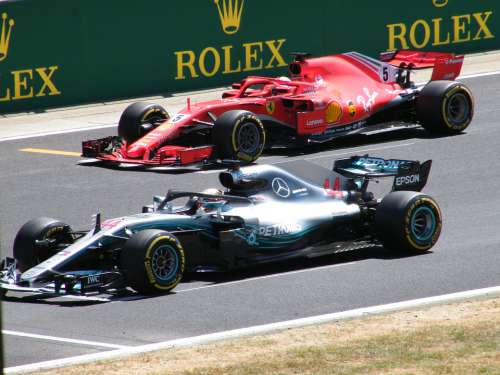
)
(154, 118)
(423, 224)
(458, 109)
(249, 138)
(150, 120)
(165, 262)
(59, 238)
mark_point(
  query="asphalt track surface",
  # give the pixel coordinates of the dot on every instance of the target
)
(464, 180)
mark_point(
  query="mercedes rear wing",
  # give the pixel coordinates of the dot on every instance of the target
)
(408, 174)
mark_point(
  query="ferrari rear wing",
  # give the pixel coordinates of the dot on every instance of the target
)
(446, 66)
(408, 174)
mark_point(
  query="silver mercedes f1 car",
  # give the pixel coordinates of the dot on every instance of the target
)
(265, 213)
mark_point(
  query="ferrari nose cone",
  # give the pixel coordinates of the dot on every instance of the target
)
(136, 151)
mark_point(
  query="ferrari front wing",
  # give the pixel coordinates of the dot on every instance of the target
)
(112, 149)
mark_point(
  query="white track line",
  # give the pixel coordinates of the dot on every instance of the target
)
(97, 127)
(468, 76)
(85, 298)
(229, 283)
(351, 152)
(362, 150)
(261, 329)
(329, 155)
(44, 134)
(65, 340)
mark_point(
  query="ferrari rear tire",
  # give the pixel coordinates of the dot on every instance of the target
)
(445, 107)
(38, 240)
(153, 261)
(407, 221)
(140, 118)
(239, 135)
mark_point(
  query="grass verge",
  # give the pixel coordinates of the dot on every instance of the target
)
(457, 338)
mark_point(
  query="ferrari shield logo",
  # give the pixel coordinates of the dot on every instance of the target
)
(352, 108)
(270, 107)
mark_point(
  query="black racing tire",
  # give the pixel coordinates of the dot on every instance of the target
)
(153, 261)
(445, 107)
(407, 221)
(239, 135)
(138, 119)
(26, 251)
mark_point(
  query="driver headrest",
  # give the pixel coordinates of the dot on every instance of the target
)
(226, 179)
(236, 182)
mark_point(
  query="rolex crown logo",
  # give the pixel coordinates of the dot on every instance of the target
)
(439, 3)
(230, 14)
(5, 36)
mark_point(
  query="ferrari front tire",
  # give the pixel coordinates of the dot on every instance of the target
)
(153, 261)
(407, 221)
(140, 118)
(38, 240)
(239, 135)
(445, 107)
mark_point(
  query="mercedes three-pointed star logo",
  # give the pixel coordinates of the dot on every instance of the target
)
(280, 187)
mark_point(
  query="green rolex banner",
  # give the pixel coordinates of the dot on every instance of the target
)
(56, 53)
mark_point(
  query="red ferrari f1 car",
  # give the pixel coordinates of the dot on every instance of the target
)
(323, 98)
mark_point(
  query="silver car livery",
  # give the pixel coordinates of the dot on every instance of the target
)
(265, 213)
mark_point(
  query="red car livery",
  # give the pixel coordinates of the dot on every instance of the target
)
(323, 98)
